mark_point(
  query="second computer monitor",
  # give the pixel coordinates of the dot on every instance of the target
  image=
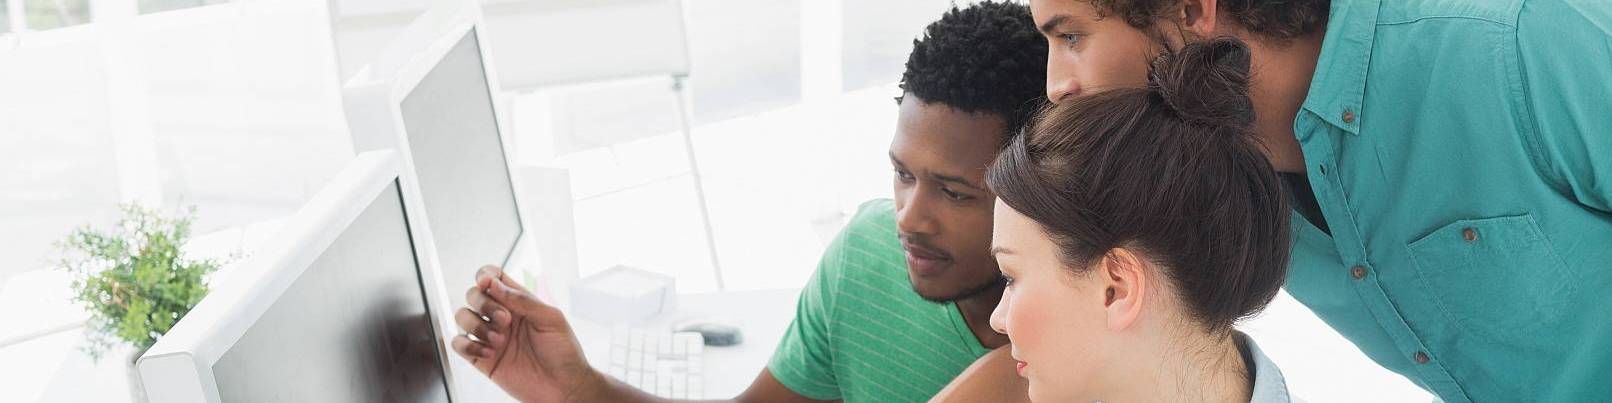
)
(333, 310)
(459, 159)
(431, 95)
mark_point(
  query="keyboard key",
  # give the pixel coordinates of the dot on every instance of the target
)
(663, 387)
(660, 363)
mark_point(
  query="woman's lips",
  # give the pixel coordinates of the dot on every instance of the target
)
(1021, 367)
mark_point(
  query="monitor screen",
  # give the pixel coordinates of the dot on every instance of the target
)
(353, 327)
(459, 160)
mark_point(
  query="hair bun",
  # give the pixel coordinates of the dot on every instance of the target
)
(1206, 83)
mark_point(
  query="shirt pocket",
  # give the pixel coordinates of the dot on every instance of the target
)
(1495, 277)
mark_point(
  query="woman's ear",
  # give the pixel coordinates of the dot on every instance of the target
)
(1200, 18)
(1127, 287)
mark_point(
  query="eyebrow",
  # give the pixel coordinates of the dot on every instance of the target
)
(953, 179)
(1056, 20)
(1000, 250)
(938, 177)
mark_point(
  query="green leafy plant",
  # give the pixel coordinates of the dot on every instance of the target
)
(133, 278)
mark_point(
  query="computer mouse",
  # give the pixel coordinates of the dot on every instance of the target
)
(716, 334)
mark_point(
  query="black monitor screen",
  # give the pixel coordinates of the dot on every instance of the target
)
(353, 327)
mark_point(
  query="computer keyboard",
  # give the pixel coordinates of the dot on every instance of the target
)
(665, 364)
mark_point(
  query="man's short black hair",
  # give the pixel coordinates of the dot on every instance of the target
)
(986, 58)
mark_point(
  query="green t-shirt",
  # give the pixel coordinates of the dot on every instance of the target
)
(861, 334)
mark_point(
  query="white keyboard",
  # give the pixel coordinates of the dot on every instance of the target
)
(665, 364)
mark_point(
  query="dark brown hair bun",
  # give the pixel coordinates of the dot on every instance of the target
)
(1206, 83)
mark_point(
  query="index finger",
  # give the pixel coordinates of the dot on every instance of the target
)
(486, 274)
(512, 282)
(522, 302)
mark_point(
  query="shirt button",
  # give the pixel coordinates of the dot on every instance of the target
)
(1358, 272)
(1348, 116)
(1469, 234)
(1421, 357)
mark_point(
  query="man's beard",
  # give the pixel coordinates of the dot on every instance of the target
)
(966, 293)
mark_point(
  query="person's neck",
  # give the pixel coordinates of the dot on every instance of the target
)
(1281, 80)
(1210, 369)
(976, 310)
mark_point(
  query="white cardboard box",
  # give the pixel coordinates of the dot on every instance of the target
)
(623, 295)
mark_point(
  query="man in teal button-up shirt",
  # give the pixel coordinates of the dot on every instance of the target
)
(1451, 163)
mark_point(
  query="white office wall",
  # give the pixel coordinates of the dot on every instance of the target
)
(745, 56)
(57, 160)
(363, 28)
(231, 108)
(245, 108)
(877, 36)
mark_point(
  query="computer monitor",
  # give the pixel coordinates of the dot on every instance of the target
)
(334, 309)
(431, 96)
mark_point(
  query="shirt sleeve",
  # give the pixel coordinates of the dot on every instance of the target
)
(1564, 48)
(804, 361)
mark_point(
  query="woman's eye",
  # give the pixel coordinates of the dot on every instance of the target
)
(905, 177)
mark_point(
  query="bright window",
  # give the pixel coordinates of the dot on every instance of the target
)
(51, 14)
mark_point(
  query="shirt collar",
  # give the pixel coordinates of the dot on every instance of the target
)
(1339, 84)
(1269, 384)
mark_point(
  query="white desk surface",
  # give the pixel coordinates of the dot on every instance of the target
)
(762, 316)
(43, 359)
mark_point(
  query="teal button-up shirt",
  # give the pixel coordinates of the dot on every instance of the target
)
(1461, 152)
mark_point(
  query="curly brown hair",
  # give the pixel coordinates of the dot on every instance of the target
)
(1274, 19)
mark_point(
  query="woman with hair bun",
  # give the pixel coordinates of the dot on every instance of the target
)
(1135, 227)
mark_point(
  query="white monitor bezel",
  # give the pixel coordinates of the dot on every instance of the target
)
(178, 368)
(374, 96)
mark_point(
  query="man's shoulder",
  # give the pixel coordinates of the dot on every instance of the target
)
(868, 248)
(874, 216)
(871, 234)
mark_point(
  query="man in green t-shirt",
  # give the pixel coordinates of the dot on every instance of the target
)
(901, 300)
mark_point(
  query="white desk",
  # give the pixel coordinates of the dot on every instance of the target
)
(42, 358)
(761, 315)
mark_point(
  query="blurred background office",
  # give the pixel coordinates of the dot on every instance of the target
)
(235, 108)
